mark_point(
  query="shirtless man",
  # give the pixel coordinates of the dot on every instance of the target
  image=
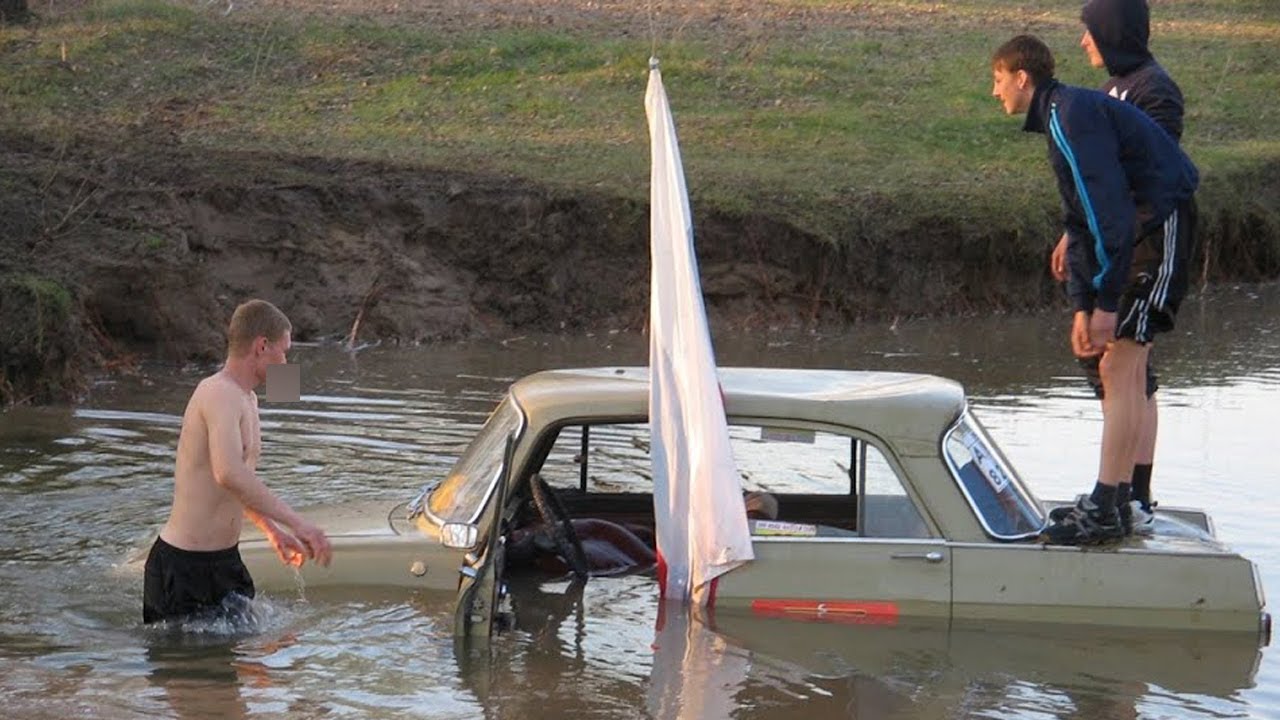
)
(194, 567)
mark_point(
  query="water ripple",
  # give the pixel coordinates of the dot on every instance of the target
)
(159, 419)
(80, 490)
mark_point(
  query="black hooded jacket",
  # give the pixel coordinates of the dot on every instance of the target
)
(1121, 29)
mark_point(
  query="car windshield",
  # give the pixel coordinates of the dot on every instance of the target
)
(1003, 505)
(464, 492)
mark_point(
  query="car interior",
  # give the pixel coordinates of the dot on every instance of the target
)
(824, 482)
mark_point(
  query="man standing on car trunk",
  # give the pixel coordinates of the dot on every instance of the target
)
(1126, 192)
(1116, 35)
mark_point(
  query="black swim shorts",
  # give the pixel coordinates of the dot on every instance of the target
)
(183, 584)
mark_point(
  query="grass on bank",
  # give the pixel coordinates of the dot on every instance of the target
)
(871, 124)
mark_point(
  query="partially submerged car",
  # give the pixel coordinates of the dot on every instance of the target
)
(893, 503)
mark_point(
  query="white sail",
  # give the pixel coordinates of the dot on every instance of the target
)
(700, 520)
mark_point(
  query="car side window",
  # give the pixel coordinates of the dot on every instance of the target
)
(819, 474)
(888, 511)
(827, 467)
(617, 458)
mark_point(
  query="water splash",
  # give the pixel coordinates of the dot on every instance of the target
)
(237, 615)
(300, 583)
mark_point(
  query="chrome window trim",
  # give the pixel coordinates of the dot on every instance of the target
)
(973, 506)
(1257, 584)
(493, 484)
(923, 542)
(1045, 547)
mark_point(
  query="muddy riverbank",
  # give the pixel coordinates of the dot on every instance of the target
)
(433, 171)
(139, 250)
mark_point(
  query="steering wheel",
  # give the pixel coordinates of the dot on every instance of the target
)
(559, 526)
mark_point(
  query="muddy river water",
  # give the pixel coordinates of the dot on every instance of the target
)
(83, 488)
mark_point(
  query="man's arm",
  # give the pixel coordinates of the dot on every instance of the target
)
(1079, 280)
(1092, 149)
(1058, 259)
(226, 457)
(1077, 246)
(1167, 113)
(287, 547)
(1161, 99)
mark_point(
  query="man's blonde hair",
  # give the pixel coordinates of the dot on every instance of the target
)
(252, 320)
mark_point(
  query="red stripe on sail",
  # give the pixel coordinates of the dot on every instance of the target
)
(662, 575)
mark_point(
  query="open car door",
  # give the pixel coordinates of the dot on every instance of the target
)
(480, 587)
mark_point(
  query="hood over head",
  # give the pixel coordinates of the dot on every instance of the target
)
(1121, 30)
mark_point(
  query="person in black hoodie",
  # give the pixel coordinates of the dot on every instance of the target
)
(1127, 194)
(1116, 36)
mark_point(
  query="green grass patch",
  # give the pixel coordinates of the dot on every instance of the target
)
(38, 308)
(817, 123)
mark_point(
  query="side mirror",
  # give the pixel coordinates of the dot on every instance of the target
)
(459, 536)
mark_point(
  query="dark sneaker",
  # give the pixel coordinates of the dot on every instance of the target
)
(1059, 514)
(1084, 524)
(1125, 511)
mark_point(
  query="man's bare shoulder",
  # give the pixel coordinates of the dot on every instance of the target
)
(217, 395)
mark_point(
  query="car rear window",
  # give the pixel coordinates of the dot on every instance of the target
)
(998, 497)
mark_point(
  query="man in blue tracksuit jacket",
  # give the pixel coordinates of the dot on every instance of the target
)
(1127, 194)
(1115, 37)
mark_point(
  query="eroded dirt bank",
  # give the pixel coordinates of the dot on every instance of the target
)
(113, 254)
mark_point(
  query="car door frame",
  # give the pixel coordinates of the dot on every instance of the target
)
(480, 588)
(768, 586)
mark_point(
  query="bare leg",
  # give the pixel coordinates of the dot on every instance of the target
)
(1147, 439)
(1123, 371)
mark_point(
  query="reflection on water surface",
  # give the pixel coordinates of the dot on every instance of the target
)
(80, 489)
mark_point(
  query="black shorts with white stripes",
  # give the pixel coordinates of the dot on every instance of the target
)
(1158, 278)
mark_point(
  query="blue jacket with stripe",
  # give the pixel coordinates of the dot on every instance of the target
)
(1120, 176)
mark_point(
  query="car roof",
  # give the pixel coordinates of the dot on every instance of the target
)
(908, 410)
